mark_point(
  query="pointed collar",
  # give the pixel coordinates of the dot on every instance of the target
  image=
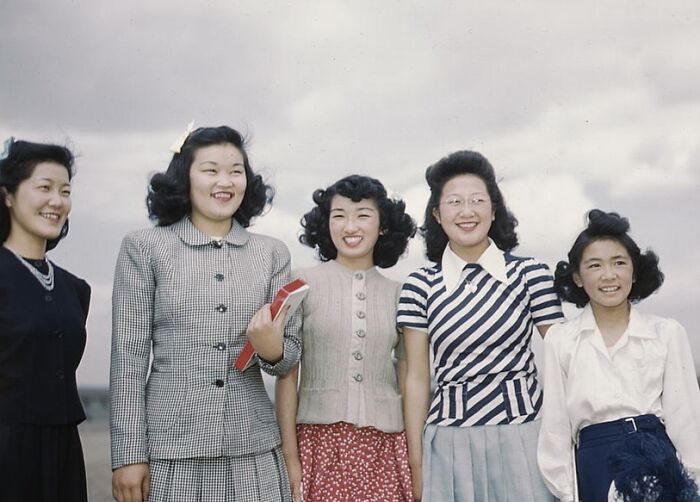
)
(189, 234)
(638, 327)
(491, 260)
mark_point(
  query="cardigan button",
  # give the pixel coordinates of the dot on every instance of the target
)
(360, 314)
(359, 276)
(358, 377)
(357, 356)
(219, 382)
(360, 296)
(360, 333)
(221, 308)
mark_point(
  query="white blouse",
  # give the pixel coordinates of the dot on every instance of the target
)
(650, 370)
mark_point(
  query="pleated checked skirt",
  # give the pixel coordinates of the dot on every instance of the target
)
(250, 478)
(487, 463)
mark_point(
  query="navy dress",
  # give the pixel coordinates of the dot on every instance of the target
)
(42, 339)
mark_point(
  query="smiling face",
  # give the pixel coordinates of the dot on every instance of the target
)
(465, 214)
(354, 229)
(606, 274)
(217, 186)
(40, 205)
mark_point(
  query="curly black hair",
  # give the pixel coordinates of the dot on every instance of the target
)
(22, 158)
(168, 197)
(502, 230)
(603, 226)
(396, 226)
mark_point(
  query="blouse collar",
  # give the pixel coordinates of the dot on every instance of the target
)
(491, 260)
(191, 235)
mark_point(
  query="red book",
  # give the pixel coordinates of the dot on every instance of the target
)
(290, 294)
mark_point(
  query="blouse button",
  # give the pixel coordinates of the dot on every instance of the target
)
(359, 276)
(360, 314)
(219, 277)
(221, 308)
(358, 377)
(357, 356)
(360, 333)
(360, 296)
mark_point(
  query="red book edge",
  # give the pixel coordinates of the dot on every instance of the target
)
(246, 357)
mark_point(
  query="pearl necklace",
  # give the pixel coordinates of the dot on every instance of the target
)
(46, 280)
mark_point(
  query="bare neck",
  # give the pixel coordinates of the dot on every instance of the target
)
(612, 321)
(27, 246)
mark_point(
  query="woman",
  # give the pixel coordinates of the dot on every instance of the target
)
(620, 385)
(43, 310)
(475, 307)
(342, 431)
(189, 293)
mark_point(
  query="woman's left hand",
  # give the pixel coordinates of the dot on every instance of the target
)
(266, 335)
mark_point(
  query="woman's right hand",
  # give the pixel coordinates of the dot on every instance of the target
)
(131, 483)
(417, 482)
(294, 471)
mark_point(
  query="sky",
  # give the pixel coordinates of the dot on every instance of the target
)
(577, 106)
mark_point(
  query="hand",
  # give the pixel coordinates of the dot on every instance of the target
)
(131, 483)
(294, 471)
(417, 481)
(266, 335)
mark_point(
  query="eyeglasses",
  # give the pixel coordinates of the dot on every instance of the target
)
(475, 201)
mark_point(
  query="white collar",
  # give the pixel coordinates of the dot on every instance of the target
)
(491, 260)
(636, 327)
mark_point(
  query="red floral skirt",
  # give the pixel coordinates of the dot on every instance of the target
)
(344, 463)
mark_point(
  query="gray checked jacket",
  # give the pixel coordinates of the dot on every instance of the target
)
(181, 305)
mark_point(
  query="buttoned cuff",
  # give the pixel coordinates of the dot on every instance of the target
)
(291, 352)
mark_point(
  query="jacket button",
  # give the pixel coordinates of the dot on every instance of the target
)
(220, 346)
(360, 296)
(60, 375)
(221, 308)
(219, 277)
(360, 333)
(219, 382)
(217, 243)
(357, 356)
(59, 334)
(48, 298)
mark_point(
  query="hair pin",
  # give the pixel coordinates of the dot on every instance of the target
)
(177, 145)
(6, 147)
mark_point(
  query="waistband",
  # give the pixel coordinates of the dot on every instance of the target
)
(621, 427)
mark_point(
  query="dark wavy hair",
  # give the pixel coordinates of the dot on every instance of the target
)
(396, 226)
(502, 230)
(168, 197)
(22, 158)
(607, 226)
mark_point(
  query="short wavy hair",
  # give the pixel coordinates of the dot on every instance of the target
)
(502, 230)
(396, 226)
(22, 157)
(607, 226)
(168, 197)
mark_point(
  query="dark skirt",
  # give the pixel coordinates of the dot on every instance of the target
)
(41, 463)
(636, 456)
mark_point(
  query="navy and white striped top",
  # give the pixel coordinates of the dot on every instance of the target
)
(480, 338)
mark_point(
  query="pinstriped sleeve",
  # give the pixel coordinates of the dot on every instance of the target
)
(545, 306)
(132, 316)
(292, 344)
(413, 312)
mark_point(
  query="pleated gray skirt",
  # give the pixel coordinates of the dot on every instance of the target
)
(260, 477)
(488, 463)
